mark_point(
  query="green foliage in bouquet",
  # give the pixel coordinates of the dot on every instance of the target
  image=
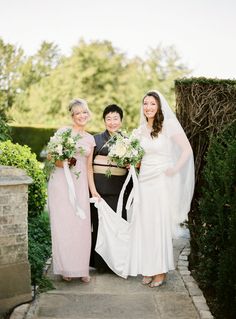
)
(21, 157)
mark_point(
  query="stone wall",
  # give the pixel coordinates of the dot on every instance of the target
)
(15, 283)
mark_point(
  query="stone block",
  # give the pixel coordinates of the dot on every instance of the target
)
(21, 238)
(182, 268)
(194, 291)
(186, 252)
(188, 278)
(4, 199)
(15, 285)
(199, 299)
(20, 312)
(183, 257)
(184, 272)
(7, 209)
(201, 306)
(14, 229)
(7, 240)
(205, 314)
(183, 263)
(4, 220)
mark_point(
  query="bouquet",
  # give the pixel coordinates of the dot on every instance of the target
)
(62, 146)
(125, 150)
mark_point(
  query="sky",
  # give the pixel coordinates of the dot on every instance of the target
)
(202, 31)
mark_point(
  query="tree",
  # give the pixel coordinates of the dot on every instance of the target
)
(10, 61)
(101, 74)
(32, 70)
(161, 68)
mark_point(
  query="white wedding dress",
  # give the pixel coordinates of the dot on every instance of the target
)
(151, 250)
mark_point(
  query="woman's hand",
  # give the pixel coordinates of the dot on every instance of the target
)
(59, 164)
(170, 171)
(95, 194)
(138, 165)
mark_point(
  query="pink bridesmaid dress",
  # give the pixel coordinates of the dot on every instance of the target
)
(71, 235)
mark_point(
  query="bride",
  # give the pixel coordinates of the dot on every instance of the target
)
(161, 200)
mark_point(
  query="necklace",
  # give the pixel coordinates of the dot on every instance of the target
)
(78, 131)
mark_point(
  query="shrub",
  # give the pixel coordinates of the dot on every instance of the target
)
(39, 246)
(21, 157)
(217, 208)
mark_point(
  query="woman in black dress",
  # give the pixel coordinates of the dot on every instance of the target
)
(108, 187)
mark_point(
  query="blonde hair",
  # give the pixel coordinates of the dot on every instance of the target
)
(77, 102)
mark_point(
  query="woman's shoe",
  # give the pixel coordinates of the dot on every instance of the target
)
(66, 278)
(146, 280)
(158, 280)
(156, 283)
(85, 279)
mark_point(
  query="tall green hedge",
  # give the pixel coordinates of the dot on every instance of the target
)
(35, 137)
(217, 209)
(5, 131)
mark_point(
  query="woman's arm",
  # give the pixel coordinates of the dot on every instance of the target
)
(186, 151)
(91, 183)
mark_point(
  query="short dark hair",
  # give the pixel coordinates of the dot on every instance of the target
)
(112, 108)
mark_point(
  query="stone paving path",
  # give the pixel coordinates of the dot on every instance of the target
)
(110, 297)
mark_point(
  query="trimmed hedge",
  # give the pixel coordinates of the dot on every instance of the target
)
(203, 80)
(34, 137)
(5, 131)
(217, 232)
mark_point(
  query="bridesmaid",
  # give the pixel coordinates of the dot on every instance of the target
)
(108, 187)
(71, 234)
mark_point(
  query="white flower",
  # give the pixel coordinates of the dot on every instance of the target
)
(126, 141)
(134, 152)
(71, 141)
(54, 139)
(59, 149)
(119, 149)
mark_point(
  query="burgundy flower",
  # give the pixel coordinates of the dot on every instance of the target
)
(72, 161)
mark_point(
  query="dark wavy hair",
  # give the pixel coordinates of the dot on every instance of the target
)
(159, 117)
